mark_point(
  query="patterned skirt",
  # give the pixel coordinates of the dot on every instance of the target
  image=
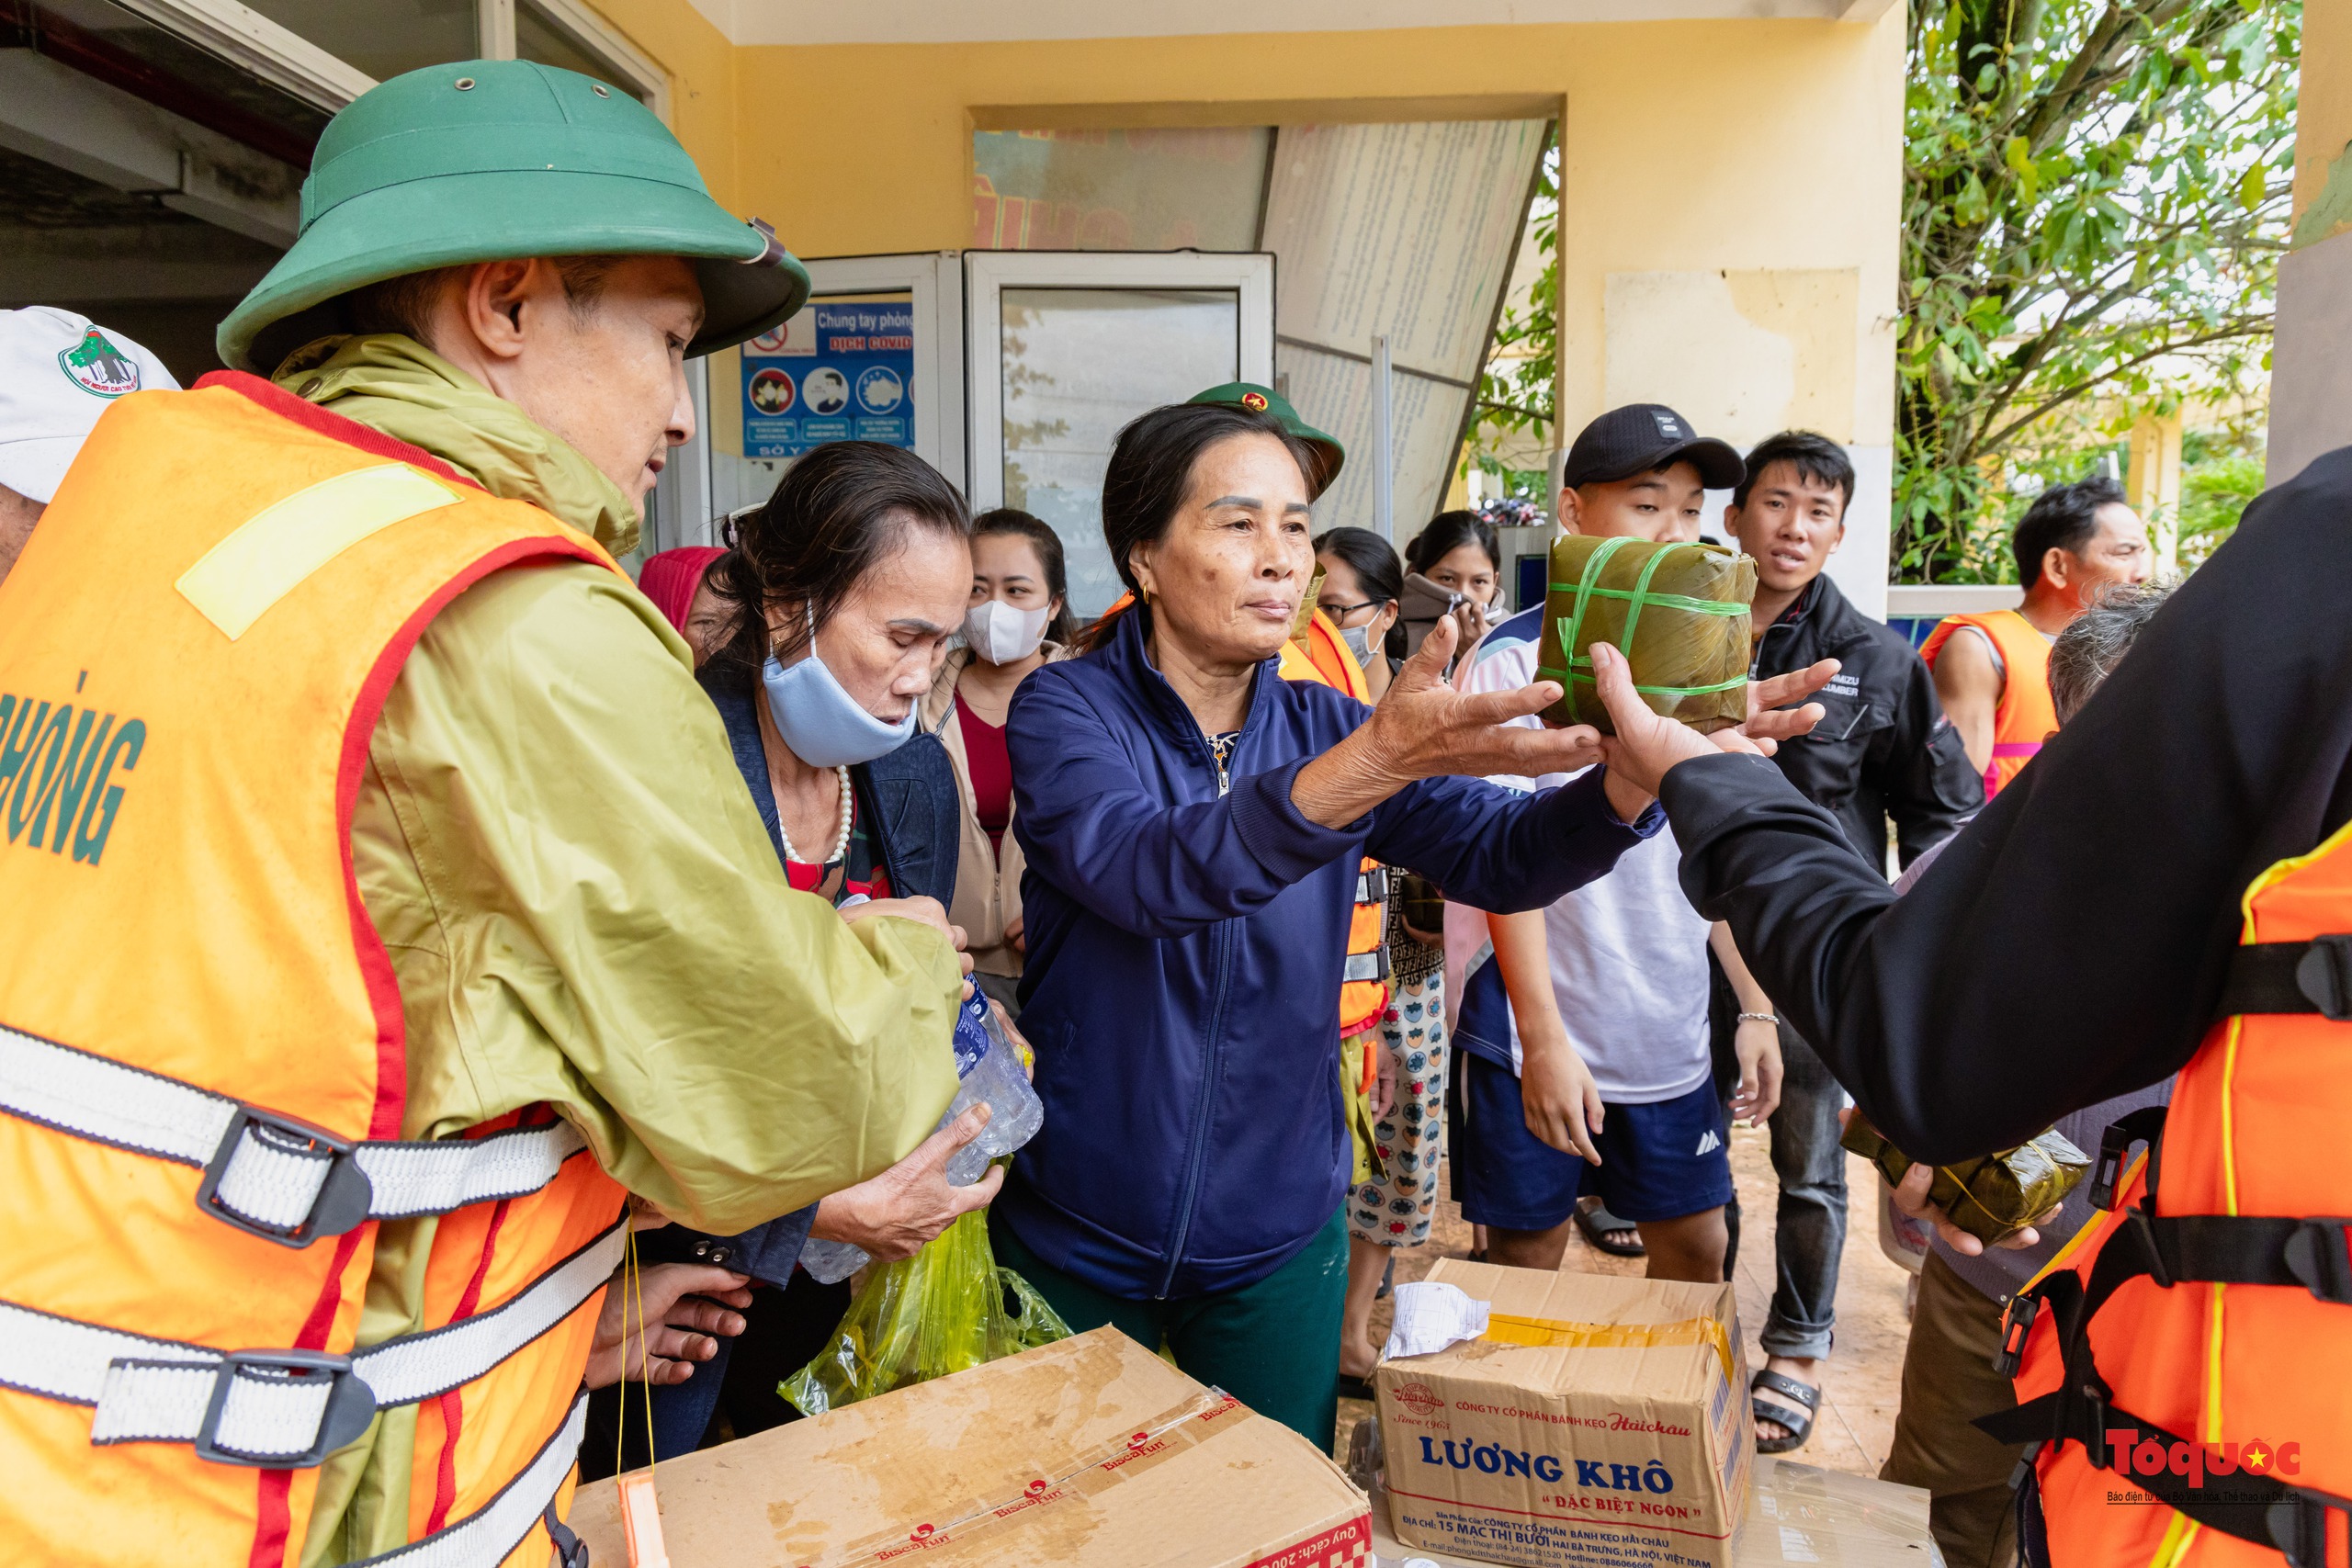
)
(1394, 1206)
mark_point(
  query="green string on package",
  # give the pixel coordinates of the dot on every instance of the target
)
(1587, 588)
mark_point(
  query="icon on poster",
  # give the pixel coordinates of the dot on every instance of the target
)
(827, 391)
(839, 370)
(880, 391)
(770, 391)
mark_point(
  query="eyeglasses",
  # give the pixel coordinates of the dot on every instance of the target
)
(1341, 612)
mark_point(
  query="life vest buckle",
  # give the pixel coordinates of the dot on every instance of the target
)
(2297, 1524)
(2016, 1323)
(267, 1164)
(2319, 1254)
(2090, 1428)
(2324, 974)
(349, 1405)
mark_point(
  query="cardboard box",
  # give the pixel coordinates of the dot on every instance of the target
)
(1601, 1423)
(1092, 1450)
(1796, 1514)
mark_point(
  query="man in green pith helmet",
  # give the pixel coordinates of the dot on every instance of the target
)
(501, 271)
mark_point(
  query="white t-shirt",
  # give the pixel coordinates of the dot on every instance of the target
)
(1628, 953)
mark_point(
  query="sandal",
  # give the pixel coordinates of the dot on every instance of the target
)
(1602, 1228)
(1764, 1406)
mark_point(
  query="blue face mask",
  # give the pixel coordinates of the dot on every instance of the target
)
(826, 726)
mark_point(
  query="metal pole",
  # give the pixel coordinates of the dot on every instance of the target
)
(1383, 465)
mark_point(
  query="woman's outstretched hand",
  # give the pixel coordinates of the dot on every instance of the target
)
(1647, 745)
(1423, 727)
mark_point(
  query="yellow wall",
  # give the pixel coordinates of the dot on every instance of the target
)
(701, 66)
(1766, 150)
(1692, 146)
(2324, 122)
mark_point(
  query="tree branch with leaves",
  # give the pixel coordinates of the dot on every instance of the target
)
(2096, 198)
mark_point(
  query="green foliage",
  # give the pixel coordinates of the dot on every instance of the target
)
(2094, 198)
(1516, 392)
(2220, 473)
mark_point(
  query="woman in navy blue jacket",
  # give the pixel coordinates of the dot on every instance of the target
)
(1193, 825)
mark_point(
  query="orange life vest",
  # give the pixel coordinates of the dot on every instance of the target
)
(202, 1054)
(2194, 1344)
(2024, 717)
(1363, 987)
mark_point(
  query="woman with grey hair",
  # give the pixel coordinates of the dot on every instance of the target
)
(2090, 648)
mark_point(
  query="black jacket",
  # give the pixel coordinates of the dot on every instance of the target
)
(1885, 749)
(2070, 946)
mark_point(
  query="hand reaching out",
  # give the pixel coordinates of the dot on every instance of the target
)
(1423, 728)
(1647, 745)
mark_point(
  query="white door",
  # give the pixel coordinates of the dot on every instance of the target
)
(1066, 347)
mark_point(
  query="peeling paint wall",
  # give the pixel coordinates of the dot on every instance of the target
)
(2310, 376)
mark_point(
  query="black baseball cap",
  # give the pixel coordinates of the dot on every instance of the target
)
(1640, 437)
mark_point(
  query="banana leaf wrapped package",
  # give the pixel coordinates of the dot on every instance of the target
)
(1993, 1196)
(1678, 613)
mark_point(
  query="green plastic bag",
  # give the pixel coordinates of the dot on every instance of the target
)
(1678, 613)
(946, 1308)
(1993, 1196)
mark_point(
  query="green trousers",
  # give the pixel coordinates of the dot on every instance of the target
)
(1274, 1346)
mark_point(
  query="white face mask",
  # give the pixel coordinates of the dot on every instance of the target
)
(1001, 633)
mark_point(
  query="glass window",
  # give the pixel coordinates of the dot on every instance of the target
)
(382, 37)
(1118, 190)
(1078, 364)
(536, 37)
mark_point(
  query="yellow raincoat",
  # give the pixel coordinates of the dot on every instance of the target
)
(583, 908)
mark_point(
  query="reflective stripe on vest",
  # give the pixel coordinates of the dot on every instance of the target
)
(1320, 656)
(278, 1407)
(2024, 716)
(491, 1535)
(208, 1060)
(264, 1173)
(2209, 1315)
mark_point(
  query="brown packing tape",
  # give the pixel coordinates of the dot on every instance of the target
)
(1157, 1441)
(1508, 1329)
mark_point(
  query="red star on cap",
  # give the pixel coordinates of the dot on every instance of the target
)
(1254, 401)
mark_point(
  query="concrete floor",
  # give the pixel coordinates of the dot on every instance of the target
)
(1864, 1379)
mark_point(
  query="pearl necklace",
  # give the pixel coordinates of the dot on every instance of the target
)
(841, 842)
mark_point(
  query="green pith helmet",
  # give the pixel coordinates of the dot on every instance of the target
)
(1328, 453)
(493, 160)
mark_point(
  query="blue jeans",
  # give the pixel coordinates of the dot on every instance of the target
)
(1810, 1229)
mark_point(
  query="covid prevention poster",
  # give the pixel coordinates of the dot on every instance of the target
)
(834, 372)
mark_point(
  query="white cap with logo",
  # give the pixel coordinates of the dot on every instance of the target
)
(58, 373)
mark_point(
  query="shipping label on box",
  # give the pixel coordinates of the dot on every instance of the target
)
(1598, 1424)
(1090, 1450)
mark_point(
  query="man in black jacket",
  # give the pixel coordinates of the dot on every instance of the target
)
(1885, 751)
(2074, 943)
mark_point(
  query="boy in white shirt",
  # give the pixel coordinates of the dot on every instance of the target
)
(1582, 1061)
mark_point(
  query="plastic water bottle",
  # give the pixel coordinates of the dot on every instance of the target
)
(990, 1071)
(987, 1071)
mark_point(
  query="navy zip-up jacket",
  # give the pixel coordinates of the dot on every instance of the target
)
(1183, 980)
